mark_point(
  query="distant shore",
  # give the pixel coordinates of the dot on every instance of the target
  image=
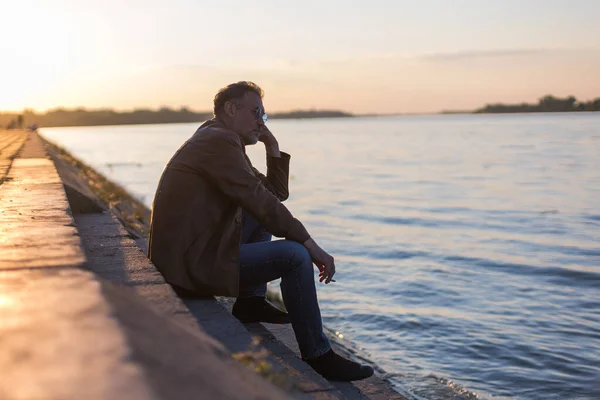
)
(61, 117)
(545, 104)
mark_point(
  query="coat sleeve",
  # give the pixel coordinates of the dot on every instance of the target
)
(223, 163)
(277, 179)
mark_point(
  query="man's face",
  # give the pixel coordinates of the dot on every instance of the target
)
(246, 119)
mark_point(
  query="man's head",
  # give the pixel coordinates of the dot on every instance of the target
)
(239, 106)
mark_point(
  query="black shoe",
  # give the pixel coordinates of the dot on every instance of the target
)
(258, 309)
(336, 368)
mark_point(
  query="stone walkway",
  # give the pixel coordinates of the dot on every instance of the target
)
(50, 311)
(10, 143)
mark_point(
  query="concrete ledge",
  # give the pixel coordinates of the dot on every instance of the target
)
(113, 255)
(59, 340)
(179, 362)
(50, 311)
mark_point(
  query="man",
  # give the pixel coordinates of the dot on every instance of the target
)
(212, 217)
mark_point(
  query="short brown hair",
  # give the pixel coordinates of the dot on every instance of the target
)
(234, 91)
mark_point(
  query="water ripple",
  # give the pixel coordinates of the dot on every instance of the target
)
(566, 276)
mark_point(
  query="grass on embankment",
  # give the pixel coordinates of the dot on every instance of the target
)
(134, 215)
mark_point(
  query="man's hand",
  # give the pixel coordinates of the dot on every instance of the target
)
(271, 144)
(322, 260)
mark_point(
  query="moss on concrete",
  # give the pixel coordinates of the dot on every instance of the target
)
(132, 213)
(256, 358)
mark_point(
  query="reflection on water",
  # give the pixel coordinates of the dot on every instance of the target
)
(467, 247)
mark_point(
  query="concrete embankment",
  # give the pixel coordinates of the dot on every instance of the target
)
(84, 313)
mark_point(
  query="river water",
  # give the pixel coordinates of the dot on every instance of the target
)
(467, 246)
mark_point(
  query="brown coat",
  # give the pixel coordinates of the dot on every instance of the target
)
(197, 211)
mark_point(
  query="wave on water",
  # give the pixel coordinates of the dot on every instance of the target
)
(431, 387)
(386, 254)
(501, 222)
(411, 385)
(557, 275)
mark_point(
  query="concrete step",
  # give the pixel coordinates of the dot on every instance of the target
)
(114, 255)
(179, 362)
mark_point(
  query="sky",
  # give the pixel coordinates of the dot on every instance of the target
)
(380, 56)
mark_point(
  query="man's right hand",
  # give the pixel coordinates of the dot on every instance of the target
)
(321, 259)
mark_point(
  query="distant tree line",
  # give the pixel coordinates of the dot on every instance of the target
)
(164, 115)
(545, 104)
(311, 114)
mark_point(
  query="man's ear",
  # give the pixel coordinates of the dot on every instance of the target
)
(229, 108)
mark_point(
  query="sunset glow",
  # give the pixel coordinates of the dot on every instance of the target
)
(386, 58)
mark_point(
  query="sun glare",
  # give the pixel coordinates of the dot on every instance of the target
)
(6, 301)
(36, 50)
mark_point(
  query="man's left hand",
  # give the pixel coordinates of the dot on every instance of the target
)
(271, 144)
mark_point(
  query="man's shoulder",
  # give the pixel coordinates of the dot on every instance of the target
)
(209, 140)
(214, 133)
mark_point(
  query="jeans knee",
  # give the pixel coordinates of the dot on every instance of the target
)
(301, 258)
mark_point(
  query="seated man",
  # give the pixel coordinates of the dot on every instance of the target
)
(212, 217)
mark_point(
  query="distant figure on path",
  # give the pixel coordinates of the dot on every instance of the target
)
(212, 219)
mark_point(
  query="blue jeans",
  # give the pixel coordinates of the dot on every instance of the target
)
(262, 261)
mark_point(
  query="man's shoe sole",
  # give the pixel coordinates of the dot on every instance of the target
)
(250, 320)
(366, 372)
